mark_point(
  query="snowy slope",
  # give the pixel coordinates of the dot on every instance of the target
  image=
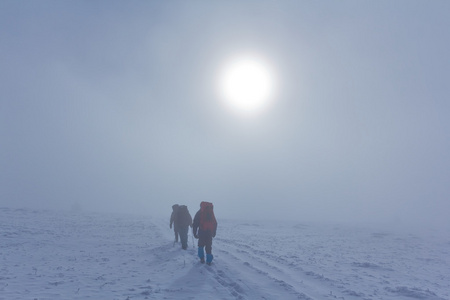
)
(54, 255)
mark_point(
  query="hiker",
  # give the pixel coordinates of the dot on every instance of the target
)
(184, 221)
(173, 220)
(204, 229)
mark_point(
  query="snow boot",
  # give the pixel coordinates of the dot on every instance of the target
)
(201, 254)
(209, 258)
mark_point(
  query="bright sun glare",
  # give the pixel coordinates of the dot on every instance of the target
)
(246, 84)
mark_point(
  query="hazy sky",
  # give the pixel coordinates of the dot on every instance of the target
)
(114, 105)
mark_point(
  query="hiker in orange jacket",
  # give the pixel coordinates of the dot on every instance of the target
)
(204, 229)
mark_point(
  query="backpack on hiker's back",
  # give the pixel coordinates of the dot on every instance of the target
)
(207, 219)
(183, 216)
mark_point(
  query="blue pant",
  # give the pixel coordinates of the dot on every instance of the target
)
(205, 243)
(201, 254)
(205, 240)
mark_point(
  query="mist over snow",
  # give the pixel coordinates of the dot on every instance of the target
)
(113, 106)
(54, 255)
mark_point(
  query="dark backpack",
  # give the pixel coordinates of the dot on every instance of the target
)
(207, 218)
(183, 216)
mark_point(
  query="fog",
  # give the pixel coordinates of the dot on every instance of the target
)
(113, 106)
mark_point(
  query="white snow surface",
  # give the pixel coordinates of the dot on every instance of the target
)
(62, 255)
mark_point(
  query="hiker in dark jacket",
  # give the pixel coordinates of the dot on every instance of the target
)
(173, 220)
(204, 229)
(184, 221)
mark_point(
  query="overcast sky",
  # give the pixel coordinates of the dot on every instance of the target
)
(114, 105)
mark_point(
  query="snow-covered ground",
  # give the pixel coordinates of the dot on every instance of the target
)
(54, 255)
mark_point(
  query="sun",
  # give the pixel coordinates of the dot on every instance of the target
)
(246, 84)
